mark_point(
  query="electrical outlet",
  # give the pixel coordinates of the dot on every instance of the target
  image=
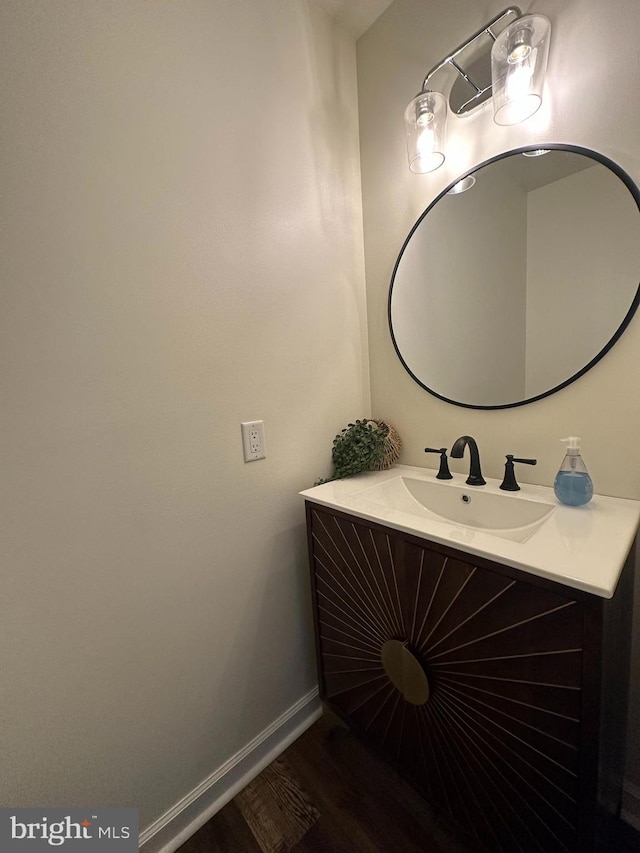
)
(253, 440)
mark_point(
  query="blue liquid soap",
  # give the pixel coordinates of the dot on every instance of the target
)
(573, 485)
(573, 488)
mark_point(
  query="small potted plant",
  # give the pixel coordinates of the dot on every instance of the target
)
(366, 445)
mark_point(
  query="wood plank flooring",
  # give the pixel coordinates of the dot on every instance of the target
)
(328, 793)
(277, 809)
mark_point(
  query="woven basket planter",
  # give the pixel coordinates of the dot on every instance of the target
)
(392, 445)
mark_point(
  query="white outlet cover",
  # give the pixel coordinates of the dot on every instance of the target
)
(253, 440)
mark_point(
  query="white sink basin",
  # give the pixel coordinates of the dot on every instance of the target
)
(581, 547)
(504, 514)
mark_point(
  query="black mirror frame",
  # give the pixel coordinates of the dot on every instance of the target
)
(575, 149)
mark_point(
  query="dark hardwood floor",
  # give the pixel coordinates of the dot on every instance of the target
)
(328, 793)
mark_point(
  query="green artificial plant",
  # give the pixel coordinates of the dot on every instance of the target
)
(359, 447)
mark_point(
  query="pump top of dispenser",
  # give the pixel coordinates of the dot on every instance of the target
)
(573, 444)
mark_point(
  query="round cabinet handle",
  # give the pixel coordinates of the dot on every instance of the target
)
(405, 671)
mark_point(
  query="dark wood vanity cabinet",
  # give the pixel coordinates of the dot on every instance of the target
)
(501, 729)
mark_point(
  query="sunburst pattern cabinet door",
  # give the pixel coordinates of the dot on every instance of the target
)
(496, 743)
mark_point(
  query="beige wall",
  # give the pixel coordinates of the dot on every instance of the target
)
(593, 68)
(181, 250)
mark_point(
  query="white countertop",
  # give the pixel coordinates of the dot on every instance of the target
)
(581, 547)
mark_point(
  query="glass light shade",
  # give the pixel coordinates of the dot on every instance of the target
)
(518, 66)
(425, 121)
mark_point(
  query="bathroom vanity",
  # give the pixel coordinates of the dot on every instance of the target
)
(485, 656)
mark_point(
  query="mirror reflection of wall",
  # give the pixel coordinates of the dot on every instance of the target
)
(505, 292)
(583, 267)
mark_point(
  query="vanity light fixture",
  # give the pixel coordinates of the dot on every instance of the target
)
(506, 59)
(537, 152)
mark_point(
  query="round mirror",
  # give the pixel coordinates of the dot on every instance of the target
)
(507, 292)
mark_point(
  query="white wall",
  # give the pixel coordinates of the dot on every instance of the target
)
(181, 250)
(593, 63)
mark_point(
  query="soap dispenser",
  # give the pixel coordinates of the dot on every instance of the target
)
(573, 485)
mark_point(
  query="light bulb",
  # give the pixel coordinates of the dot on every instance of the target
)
(520, 46)
(426, 141)
(519, 53)
(429, 157)
(518, 80)
(424, 117)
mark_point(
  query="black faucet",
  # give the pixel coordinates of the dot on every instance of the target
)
(475, 477)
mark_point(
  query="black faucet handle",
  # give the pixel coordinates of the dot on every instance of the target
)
(509, 483)
(444, 473)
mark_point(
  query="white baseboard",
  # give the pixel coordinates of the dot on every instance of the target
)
(182, 820)
(630, 812)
